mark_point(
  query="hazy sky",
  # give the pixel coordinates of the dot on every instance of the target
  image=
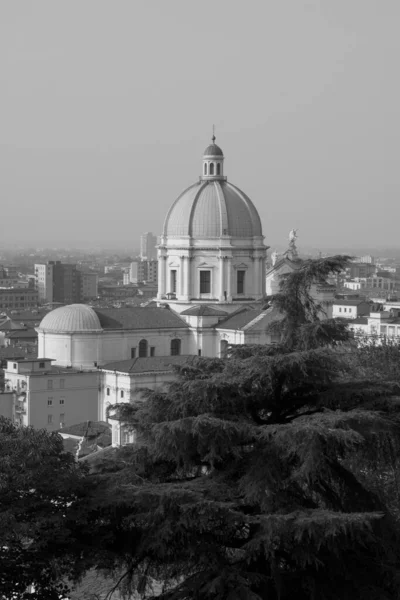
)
(106, 107)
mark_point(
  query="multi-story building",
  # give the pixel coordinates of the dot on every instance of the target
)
(89, 285)
(148, 271)
(49, 397)
(148, 249)
(359, 269)
(365, 283)
(350, 308)
(367, 258)
(143, 270)
(58, 282)
(16, 299)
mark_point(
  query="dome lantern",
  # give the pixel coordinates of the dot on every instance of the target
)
(213, 162)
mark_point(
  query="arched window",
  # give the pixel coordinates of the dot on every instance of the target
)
(175, 347)
(205, 168)
(223, 348)
(142, 348)
(211, 168)
(218, 168)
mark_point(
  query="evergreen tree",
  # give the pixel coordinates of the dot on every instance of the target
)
(252, 476)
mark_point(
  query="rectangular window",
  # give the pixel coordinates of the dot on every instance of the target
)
(205, 282)
(62, 417)
(240, 282)
(173, 281)
(152, 350)
(62, 384)
(122, 393)
(133, 352)
(340, 310)
(108, 391)
(41, 365)
(350, 309)
(49, 419)
(49, 401)
(199, 352)
(62, 400)
(49, 384)
(345, 309)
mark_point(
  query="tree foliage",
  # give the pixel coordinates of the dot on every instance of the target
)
(269, 474)
(251, 477)
(40, 487)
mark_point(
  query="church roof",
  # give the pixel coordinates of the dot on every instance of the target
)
(147, 364)
(138, 317)
(247, 319)
(204, 311)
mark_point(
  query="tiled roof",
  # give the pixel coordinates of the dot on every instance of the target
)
(249, 319)
(204, 311)
(10, 325)
(87, 429)
(26, 316)
(359, 321)
(11, 352)
(354, 302)
(22, 334)
(137, 317)
(147, 364)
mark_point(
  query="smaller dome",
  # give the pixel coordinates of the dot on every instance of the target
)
(72, 318)
(213, 150)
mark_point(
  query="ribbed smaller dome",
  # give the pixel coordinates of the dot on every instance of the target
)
(213, 150)
(71, 318)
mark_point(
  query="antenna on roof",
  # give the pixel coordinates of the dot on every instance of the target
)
(213, 135)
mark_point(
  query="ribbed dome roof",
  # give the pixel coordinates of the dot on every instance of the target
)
(71, 318)
(211, 209)
(213, 150)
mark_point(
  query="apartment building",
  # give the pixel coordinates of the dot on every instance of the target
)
(18, 298)
(49, 397)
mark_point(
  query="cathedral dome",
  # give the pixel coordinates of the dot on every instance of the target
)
(212, 208)
(71, 319)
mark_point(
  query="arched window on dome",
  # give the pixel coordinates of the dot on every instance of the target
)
(205, 168)
(143, 348)
(211, 168)
(218, 168)
(175, 347)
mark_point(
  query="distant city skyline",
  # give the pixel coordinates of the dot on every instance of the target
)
(99, 137)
